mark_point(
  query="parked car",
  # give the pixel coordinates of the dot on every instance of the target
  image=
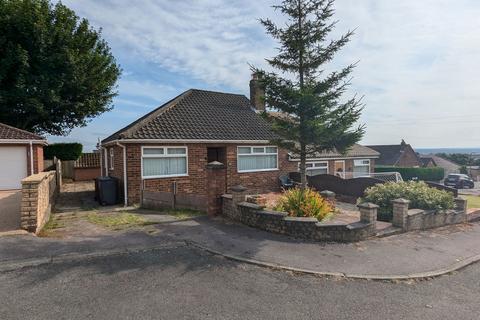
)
(459, 181)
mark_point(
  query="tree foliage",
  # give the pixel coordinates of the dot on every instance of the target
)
(56, 72)
(463, 159)
(63, 151)
(316, 117)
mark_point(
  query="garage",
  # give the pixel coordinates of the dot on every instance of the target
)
(13, 169)
(21, 154)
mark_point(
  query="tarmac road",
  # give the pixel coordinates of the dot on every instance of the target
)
(188, 283)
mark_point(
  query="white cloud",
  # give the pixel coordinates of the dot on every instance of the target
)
(418, 59)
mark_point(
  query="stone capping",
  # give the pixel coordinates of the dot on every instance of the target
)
(236, 208)
(417, 219)
(38, 195)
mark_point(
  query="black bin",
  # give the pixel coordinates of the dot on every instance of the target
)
(106, 190)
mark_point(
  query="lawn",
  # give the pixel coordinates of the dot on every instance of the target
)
(473, 201)
(117, 221)
(182, 214)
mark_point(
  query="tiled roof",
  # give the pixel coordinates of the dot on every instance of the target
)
(200, 115)
(390, 154)
(354, 152)
(11, 133)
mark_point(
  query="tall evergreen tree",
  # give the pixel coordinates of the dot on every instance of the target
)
(56, 72)
(315, 117)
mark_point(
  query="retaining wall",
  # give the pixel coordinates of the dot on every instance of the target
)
(234, 207)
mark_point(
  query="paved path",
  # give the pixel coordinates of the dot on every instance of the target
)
(401, 255)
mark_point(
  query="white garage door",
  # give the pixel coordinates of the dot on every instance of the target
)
(13, 167)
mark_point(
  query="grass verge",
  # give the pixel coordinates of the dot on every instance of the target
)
(117, 221)
(472, 201)
(53, 223)
(182, 214)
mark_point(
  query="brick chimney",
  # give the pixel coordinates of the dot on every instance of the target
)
(256, 93)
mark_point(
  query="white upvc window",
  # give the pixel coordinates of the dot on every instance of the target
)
(361, 167)
(316, 168)
(163, 162)
(257, 158)
(111, 158)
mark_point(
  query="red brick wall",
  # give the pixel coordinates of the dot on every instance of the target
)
(85, 174)
(196, 182)
(409, 158)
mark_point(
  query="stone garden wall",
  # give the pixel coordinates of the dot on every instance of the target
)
(235, 207)
(417, 219)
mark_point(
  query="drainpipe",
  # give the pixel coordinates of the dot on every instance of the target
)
(31, 158)
(105, 161)
(125, 195)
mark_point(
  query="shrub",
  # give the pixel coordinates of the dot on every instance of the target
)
(63, 151)
(425, 174)
(421, 196)
(308, 203)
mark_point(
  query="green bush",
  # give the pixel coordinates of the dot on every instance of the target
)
(63, 151)
(424, 174)
(308, 203)
(421, 196)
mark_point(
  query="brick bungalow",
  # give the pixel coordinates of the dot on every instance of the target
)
(21, 155)
(397, 155)
(196, 146)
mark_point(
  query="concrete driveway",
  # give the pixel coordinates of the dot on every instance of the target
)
(10, 201)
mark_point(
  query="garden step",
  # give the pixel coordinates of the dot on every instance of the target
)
(389, 231)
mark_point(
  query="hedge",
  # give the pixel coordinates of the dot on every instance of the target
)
(63, 151)
(420, 195)
(425, 174)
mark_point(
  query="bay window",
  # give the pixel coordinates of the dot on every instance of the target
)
(361, 168)
(160, 162)
(251, 159)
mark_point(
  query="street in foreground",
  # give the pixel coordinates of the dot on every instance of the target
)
(187, 283)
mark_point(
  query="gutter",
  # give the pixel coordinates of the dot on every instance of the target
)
(19, 141)
(173, 141)
(125, 188)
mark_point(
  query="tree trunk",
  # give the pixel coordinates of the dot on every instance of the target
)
(303, 171)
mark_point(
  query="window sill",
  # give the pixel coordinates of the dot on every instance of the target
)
(263, 170)
(163, 177)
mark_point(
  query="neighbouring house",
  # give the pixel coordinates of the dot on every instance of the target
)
(198, 145)
(21, 155)
(397, 155)
(427, 161)
(447, 165)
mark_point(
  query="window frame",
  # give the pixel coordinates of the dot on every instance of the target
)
(355, 161)
(314, 167)
(164, 155)
(257, 154)
(111, 158)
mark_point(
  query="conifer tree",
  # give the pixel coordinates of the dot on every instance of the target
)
(314, 115)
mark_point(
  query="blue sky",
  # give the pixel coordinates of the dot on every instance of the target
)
(418, 61)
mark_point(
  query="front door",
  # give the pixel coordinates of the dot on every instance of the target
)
(340, 168)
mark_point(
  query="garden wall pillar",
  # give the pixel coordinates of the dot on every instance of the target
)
(238, 195)
(400, 213)
(329, 195)
(368, 213)
(461, 205)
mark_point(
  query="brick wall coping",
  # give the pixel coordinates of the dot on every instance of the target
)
(37, 177)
